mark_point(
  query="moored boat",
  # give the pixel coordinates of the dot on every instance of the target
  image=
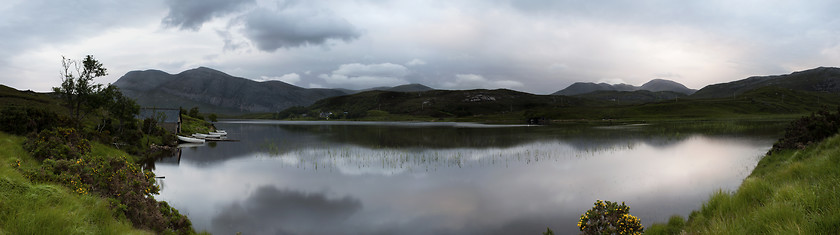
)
(205, 136)
(190, 139)
(219, 133)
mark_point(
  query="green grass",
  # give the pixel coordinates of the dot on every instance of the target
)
(790, 192)
(43, 208)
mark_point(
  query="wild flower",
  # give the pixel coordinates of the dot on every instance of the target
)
(608, 217)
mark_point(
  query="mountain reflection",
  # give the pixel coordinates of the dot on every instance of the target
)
(269, 210)
(287, 139)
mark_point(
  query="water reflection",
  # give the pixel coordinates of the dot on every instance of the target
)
(269, 210)
(313, 179)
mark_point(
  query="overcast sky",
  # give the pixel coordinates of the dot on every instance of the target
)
(537, 46)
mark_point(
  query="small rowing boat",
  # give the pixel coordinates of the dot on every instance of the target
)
(205, 136)
(190, 139)
(219, 133)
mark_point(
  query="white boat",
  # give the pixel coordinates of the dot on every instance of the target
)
(219, 133)
(205, 136)
(190, 139)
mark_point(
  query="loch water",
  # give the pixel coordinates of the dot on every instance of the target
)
(284, 177)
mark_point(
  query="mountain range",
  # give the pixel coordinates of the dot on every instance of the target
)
(655, 85)
(217, 92)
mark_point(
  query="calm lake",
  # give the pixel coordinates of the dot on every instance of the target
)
(447, 178)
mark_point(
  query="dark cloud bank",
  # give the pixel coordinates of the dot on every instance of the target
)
(292, 24)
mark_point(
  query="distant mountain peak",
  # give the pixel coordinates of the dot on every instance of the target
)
(206, 71)
(655, 85)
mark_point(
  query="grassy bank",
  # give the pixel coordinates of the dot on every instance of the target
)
(789, 192)
(48, 208)
(190, 125)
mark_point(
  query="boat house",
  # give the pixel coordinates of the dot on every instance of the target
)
(169, 119)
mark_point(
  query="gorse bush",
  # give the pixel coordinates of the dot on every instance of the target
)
(608, 217)
(808, 130)
(57, 143)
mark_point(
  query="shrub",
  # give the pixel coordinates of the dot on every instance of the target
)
(608, 217)
(808, 130)
(57, 143)
(24, 120)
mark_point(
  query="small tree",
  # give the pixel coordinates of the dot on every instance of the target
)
(608, 217)
(78, 88)
(213, 117)
(194, 112)
(112, 104)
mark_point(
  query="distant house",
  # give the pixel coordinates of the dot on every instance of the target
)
(326, 115)
(169, 119)
(539, 121)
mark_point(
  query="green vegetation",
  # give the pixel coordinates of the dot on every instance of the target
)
(63, 178)
(28, 207)
(809, 130)
(78, 90)
(792, 190)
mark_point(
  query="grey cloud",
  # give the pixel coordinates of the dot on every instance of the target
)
(32, 25)
(274, 211)
(231, 43)
(192, 14)
(294, 26)
(28, 23)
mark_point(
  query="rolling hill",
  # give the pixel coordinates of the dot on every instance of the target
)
(443, 103)
(822, 79)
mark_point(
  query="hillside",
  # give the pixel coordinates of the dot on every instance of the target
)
(632, 97)
(215, 91)
(12, 97)
(443, 103)
(655, 85)
(507, 105)
(759, 103)
(578, 88)
(410, 88)
(822, 79)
